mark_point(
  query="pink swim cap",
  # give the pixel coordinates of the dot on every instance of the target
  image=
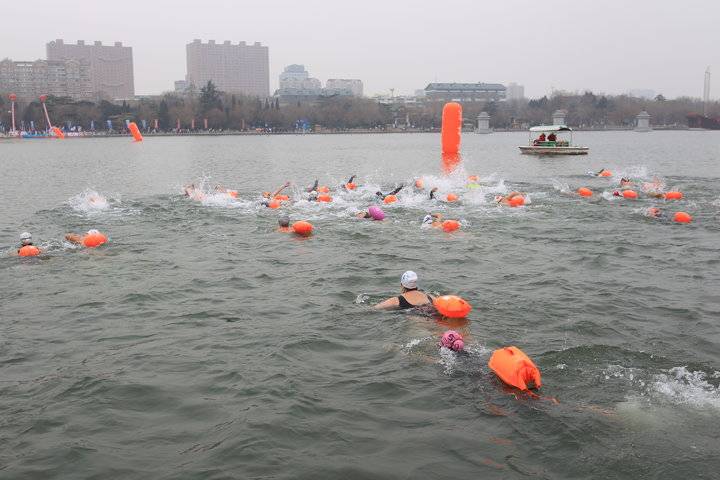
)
(452, 340)
(376, 213)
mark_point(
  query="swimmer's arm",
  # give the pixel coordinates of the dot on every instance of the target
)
(432, 193)
(351, 179)
(389, 304)
(73, 238)
(287, 184)
(314, 186)
(394, 192)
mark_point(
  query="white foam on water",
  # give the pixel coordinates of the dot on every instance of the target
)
(89, 201)
(681, 386)
(448, 359)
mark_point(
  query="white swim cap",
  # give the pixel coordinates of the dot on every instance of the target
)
(93, 232)
(427, 219)
(25, 237)
(409, 280)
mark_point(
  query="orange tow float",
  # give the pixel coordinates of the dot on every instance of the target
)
(324, 198)
(451, 197)
(29, 251)
(682, 217)
(452, 306)
(630, 194)
(303, 228)
(450, 225)
(514, 368)
(94, 239)
(673, 196)
(584, 192)
(390, 199)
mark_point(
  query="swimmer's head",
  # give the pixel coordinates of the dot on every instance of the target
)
(616, 193)
(498, 198)
(313, 196)
(266, 194)
(93, 232)
(409, 280)
(284, 221)
(427, 220)
(25, 238)
(452, 340)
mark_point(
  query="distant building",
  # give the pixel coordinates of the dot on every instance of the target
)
(111, 67)
(295, 81)
(181, 86)
(466, 92)
(344, 87)
(241, 68)
(29, 80)
(515, 91)
(642, 93)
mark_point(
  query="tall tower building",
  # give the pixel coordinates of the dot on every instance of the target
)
(111, 67)
(706, 91)
(241, 68)
(29, 80)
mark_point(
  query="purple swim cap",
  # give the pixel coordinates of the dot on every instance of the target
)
(452, 340)
(376, 213)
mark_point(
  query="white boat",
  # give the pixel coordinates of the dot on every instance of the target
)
(543, 145)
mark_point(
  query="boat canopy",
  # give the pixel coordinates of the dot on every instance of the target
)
(551, 128)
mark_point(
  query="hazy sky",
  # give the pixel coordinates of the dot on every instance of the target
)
(608, 46)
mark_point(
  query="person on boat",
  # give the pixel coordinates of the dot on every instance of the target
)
(410, 296)
(394, 192)
(552, 137)
(505, 199)
(541, 138)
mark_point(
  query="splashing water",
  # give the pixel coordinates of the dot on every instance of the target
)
(89, 201)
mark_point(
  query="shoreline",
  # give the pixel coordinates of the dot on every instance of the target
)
(70, 135)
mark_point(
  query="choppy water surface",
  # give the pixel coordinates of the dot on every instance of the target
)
(201, 343)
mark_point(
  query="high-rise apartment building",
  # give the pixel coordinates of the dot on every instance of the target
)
(240, 68)
(29, 80)
(111, 67)
(515, 91)
(295, 81)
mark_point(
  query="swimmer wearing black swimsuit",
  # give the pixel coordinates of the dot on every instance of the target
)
(394, 192)
(405, 305)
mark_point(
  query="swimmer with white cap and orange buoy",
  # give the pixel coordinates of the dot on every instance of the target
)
(27, 249)
(410, 296)
(92, 239)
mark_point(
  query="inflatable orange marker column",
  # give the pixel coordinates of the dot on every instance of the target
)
(58, 133)
(135, 132)
(514, 368)
(451, 129)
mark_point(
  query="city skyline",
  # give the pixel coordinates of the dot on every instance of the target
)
(646, 46)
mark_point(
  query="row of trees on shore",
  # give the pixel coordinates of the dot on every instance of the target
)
(223, 111)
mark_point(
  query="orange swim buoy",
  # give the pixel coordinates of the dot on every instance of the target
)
(605, 173)
(450, 225)
(451, 197)
(303, 228)
(274, 204)
(323, 189)
(673, 196)
(390, 199)
(419, 184)
(514, 368)
(630, 194)
(324, 198)
(584, 192)
(350, 186)
(282, 198)
(682, 217)
(232, 193)
(452, 306)
(29, 251)
(473, 178)
(517, 201)
(94, 239)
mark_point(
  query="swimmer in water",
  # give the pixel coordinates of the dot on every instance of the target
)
(598, 173)
(626, 182)
(284, 224)
(410, 296)
(313, 187)
(394, 192)
(349, 182)
(433, 220)
(77, 238)
(26, 241)
(432, 193)
(505, 200)
(269, 195)
(654, 212)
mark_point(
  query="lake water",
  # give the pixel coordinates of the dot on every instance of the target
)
(202, 344)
